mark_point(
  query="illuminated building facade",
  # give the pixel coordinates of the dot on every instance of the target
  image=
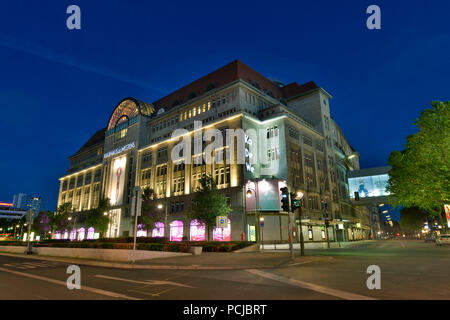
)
(298, 145)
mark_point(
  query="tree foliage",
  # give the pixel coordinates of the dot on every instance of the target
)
(41, 224)
(411, 219)
(150, 214)
(60, 220)
(97, 218)
(208, 203)
(420, 174)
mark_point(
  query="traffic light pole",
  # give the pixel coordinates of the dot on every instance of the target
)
(302, 241)
(291, 245)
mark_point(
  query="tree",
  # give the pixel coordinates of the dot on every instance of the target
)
(208, 203)
(420, 174)
(97, 218)
(60, 219)
(41, 224)
(411, 219)
(150, 214)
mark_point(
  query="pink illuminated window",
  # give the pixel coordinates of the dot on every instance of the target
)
(176, 230)
(66, 235)
(73, 234)
(90, 235)
(197, 231)
(141, 233)
(57, 235)
(158, 230)
(81, 234)
(222, 234)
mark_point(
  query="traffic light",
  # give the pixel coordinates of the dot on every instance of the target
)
(327, 222)
(285, 199)
(356, 195)
(295, 203)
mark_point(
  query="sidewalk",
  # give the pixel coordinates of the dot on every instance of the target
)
(270, 247)
(205, 261)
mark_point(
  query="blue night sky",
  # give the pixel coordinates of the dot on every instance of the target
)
(59, 86)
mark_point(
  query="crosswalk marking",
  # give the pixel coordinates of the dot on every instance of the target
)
(147, 282)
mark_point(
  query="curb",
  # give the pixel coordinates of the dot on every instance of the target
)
(117, 265)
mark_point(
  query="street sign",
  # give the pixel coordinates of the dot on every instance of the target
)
(221, 221)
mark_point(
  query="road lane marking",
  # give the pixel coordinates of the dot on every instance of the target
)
(63, 283)
(310, 286)
(147, 282)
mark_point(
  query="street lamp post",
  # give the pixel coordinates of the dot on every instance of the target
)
(29, 222)
(136, 190)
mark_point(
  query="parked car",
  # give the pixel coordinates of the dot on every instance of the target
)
(443, 239)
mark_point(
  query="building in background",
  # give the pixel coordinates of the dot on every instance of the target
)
(26, 202)
(301, 144)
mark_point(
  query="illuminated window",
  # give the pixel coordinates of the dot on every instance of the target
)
(81, 234)
(310, 234)
(185, 115)
(194, 112)
(222, 234)
(176, 230)
(197, 231)
(73, 234)
(209, 105)
(189, 114)
(158, 230)
(90, 234)
(204, 107)
(199, 110)
(181, 117)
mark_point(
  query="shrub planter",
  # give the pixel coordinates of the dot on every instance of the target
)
(195, 250)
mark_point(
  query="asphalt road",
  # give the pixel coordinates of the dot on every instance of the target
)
(410, 269)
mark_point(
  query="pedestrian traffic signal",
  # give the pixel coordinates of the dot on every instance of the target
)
(285, 199)
(295, 203)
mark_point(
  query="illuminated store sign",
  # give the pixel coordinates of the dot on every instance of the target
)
(119, 150)
(447, 213)
(370, 186)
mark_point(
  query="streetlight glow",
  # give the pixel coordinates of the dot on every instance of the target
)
(160, 206)
(300, 194)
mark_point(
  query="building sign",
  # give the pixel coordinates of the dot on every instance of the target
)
(248, 154)
(119, 150)
(370, 186)
(117, 180)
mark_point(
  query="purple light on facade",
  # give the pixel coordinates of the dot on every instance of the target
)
(90, 234)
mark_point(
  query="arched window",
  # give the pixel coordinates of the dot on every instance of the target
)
(81, 234)
(158, 230)
(90, 235)
(197, 230)
(176, 230)
(222, 234)
(57, 235)
(66, 235)
(73, 234)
